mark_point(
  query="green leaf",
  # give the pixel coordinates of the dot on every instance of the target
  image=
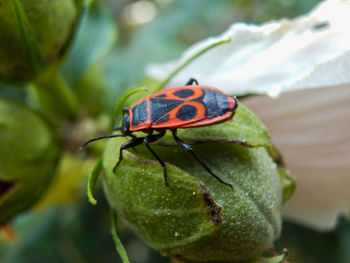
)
(245, 128)
(288, 184)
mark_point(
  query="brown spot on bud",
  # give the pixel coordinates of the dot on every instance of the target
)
(214, 208)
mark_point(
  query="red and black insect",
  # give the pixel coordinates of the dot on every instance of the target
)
(183, 107)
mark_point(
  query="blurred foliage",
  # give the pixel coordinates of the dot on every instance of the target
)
(99, 69)
(76, 233)
(27, 160)
(308, 246)
(31, 40)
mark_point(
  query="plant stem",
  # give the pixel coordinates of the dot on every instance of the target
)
(188, 61)
(93, 176)
(118, 244)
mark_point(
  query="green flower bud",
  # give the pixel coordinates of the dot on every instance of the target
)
(34, 35)
(198, 219)
(28, 156)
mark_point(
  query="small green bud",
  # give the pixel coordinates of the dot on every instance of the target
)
(28, 157)
(196, 218)
(34, 35)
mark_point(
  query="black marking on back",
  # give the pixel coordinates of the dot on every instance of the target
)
(186, 112)
(163, 119)
(216, 103)
(159, 107)
(161, 96)
(184, 93)
(139, 113)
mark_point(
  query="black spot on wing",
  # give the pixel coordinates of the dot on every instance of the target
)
(163, 119)
(184, 93)
(139, 113)
(216, 103)
(160, 107)
(186, 112)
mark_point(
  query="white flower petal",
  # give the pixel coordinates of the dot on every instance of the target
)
(306, 52)
(311, 130)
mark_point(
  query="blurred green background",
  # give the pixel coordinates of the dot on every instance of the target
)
(114, 43)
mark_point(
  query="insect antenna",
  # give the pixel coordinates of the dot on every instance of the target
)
(100, 138)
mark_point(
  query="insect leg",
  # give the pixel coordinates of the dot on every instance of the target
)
(191, 81)
(132, 143)
(189, 149)
(155, 137)
(100, 138)
(152, 138)
(160, 162)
